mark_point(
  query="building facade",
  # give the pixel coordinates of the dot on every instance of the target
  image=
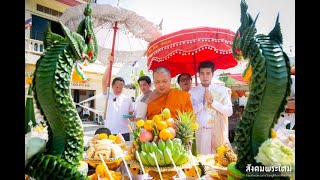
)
(39, 13)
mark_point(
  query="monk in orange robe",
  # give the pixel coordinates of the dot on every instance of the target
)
(165, 97)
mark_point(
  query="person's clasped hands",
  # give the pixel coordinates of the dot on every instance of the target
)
(208, 97)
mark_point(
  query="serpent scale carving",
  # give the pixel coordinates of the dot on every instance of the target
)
(52, 77)
(269, 86)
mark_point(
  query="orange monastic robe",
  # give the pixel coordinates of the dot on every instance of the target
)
(174, 100)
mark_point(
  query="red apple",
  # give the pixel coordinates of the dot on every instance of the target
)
(146, 136)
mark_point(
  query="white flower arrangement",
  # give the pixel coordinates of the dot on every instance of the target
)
(40, 131)
(35, 140)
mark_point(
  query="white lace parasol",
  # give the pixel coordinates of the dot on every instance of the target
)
(133, 34)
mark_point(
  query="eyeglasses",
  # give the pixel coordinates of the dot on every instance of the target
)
(183, 80)
(114, 99)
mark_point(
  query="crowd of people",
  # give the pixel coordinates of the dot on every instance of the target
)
(211, 103)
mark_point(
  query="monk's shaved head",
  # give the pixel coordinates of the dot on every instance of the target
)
(161, 69)
(162, 80)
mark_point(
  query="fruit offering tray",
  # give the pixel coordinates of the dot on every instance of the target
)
(135, 164)
(112, 163)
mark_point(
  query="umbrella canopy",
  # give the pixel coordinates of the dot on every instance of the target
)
(182, 51)
(110, 21)
(133, 32)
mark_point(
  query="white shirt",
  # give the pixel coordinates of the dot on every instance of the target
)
(213, 122)
(115, 111)
(221, 102)
(138, 99)
(140, 108)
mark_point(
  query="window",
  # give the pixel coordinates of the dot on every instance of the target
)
(39, 25)
(48, 11)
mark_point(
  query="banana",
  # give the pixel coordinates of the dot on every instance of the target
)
(167, 155)
(160, 157)
(151, 160)
(176, 141)
(177, 146)
(144, 159)
(143, 147)
(153, 147)
(147, 147)
(175, 155)
(169, 144)
(182, 159)
(161, 145)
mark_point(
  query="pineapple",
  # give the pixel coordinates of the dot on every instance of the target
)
(225, 155)
(232, 157)
(183, 127)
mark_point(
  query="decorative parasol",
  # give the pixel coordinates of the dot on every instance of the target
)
(133, 32)
(118, 23)
(182, 51)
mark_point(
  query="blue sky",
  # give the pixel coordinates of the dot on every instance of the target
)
(180, 14)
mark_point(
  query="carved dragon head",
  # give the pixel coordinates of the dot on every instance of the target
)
(84, 42)
(246, 21)
(247, 30)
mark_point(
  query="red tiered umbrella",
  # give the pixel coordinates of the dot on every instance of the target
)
(182, 51)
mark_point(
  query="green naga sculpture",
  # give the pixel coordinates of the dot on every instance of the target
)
(269, 86)
(51, 82)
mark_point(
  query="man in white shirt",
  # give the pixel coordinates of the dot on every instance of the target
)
(212, 104)
(118, 106)
(144, 85)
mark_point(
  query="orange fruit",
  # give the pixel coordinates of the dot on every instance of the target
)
(161, 125)
(156, 118)
(148, 125)
(170, 122)
(165, 134)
